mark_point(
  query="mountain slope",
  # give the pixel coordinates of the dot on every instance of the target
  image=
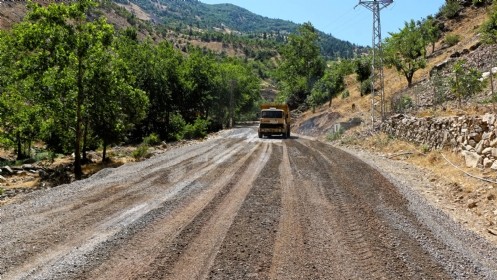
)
(191, 14)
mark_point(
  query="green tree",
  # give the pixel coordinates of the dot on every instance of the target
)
(465, 81)
(156, 71)
(57, 47)
(114, 106)
(431, 31)
(197, 79)
(406, 51)
(363, 72)
(302, 65)
(237, 94)
(328, 87)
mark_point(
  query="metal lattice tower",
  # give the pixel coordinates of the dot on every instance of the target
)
(377, 99)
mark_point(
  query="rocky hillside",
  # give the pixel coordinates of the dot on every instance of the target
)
(222, 28)
(469, 48)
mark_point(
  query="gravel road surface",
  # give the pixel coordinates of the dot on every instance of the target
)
(238, 207)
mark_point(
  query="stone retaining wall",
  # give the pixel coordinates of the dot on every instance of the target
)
(474, 137)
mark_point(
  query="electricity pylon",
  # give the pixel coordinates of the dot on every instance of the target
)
(377, 78)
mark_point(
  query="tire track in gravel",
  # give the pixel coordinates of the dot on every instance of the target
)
(247, 249)
(288, 248)
(197, 259)
(326, 255)
(97, 224)
(159, 233)
(84, 202)
(370, 234)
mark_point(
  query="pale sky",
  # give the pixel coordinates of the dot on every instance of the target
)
(339, 18)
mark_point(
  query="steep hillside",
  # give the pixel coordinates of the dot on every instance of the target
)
(465, 194)
(192, 15)
(469, 48)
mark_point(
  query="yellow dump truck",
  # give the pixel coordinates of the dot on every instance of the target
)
(275, 120)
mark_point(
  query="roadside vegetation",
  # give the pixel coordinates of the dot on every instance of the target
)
(70, 80)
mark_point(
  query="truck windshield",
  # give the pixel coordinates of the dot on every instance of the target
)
(272, 114)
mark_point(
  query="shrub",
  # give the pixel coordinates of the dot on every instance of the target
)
(141, 152)
(345, 94)
(196, 130)
(335, 135)
(366, 87)
(1, 191)
(402, 103)
(450, 9)
(176, 126)
(48, 155)
(452, 39)
(152, 139)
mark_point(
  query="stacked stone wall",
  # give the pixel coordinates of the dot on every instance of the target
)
(475, 138)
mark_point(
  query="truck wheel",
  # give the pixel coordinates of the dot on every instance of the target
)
(260, 135)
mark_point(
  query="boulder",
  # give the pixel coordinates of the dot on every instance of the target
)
(8, 169)
(489, 118)
(472, 159)
(494, 166)
(487, 163)
(487, 151)
(2, 179)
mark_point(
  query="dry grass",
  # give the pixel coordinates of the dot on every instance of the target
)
(433, 161)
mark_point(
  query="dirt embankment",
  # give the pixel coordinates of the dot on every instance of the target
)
(238, 207)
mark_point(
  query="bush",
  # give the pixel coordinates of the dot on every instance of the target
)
(345, 94)
(401, 103)
(196, 130)
(450, 9)
(176, 126)
(335, 135)
(366, 87)
(141, 152)
(48, 155)
(1, 191)
(152, 139)
(452, 39)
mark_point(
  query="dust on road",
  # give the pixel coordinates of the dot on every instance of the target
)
(237, 207)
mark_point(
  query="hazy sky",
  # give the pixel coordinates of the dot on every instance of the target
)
(339, 18)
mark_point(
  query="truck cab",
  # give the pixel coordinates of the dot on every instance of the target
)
(275, 120)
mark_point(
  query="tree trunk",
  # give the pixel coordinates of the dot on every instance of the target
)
(77, 145)
(19, 146)
(85, 140)
(409, 80)
(104, 152)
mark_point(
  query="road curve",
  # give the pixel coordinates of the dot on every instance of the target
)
(237, 207)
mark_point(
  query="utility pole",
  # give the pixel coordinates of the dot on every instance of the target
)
(377, 99)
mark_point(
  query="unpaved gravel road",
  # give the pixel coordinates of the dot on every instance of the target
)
(237, 207)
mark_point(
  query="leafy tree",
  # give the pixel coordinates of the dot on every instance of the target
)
(114, 105)
(197, 79)
(465, 81)
(156, 71)
(238, 92)
(59, 48)
(406, 51)
(363, 70)
(431, 31)
(328, 87)
(302, 65)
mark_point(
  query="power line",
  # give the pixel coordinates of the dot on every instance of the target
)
(377, 100)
